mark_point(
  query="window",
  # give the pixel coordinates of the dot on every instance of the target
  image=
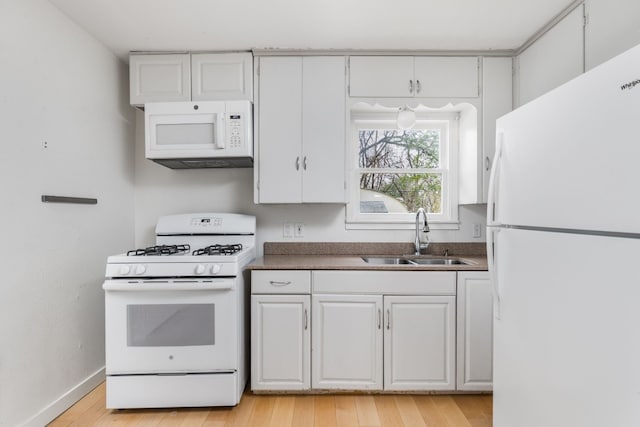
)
(395, 172)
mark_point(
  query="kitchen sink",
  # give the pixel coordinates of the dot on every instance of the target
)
(387, 261)
(413, 261)
(438, 261)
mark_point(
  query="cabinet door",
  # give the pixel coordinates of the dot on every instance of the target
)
(419, 343)
(554, 59)
(475, 331)
(384, 76)
(280, 342)
(497, 100)
(159, 78)
(347, 342)
(280, 130)
(221, 76)
(323, 129)
(446, 77)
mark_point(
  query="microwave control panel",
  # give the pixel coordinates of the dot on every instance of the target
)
(234, 130)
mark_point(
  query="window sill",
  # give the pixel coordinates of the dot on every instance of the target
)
(440, 225)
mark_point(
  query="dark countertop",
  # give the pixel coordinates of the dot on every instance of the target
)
(348, 256)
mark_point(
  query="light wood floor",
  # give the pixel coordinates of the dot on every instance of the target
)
(295, 411)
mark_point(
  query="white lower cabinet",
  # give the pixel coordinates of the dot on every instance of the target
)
(475, 331)
(347, 342)
(280, 330)
(419, 342)
(371, 330)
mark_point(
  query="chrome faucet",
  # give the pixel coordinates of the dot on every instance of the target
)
(420, 245)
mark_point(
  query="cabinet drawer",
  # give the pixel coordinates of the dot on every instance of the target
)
(385, 282)
(280, 282)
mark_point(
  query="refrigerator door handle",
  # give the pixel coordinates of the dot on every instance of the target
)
(492, 262)
(493, 181)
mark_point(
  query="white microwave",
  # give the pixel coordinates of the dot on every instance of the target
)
(208, 134)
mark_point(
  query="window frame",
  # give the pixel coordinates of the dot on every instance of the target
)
(448, 218)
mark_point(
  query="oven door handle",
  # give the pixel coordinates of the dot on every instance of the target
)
(170, 285)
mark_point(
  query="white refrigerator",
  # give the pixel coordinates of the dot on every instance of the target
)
(563, 244)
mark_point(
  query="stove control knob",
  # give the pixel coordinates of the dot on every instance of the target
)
(140, 269)
(199, 269)
(215, 268)
(125, 269)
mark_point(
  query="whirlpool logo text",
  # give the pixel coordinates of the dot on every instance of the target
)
(630, 85)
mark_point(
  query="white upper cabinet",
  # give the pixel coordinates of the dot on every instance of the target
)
(497, 100)
(408, 76)
(186, 77)
(385, 76)
(554, 59)
(446, 77)
(300, 141)
(221, 76)
(159, 78)
(476, 155)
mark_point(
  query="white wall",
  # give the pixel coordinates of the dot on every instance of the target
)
(61, 86)
(162, 191)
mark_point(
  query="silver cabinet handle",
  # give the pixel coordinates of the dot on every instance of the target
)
(278, 283)
(298, 163)
(304, 163)
(306, 319)
(410, 86)
(379, 319)
(388, 320)
(418, 86)
(487, 163)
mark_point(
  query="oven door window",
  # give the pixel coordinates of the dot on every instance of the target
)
(170, 325)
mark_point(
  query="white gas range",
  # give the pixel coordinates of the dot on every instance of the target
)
(176, 315)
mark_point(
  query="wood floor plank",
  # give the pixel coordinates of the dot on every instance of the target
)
(70, 415)
(473, 410)
(325, 411)
(367, 411)
(303, 411)
(388, 411)
(346, 412)
(195, 417)
(429, 412)
(294, 411)
(262, 410)
(283, 411)
(91, 415)
(409, 411)
(217, 417)
(239, 415)
(450, 411)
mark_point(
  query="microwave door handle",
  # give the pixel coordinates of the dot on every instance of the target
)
(220, 132)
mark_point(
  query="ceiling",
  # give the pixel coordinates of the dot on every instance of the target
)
(142, 25)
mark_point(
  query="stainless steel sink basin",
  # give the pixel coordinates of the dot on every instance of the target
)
(413, 261)
(386, 260)
(438, 261)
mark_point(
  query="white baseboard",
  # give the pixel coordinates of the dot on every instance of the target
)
(64, 402)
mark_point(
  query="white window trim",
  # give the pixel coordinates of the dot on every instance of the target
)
(447, 220)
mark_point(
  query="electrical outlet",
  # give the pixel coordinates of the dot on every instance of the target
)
(287, 229)
(298, 230)
(477, 230)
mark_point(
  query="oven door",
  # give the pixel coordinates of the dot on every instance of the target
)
(171, 326)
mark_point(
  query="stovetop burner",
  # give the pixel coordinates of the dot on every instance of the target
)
(219, 250)
(160, 250)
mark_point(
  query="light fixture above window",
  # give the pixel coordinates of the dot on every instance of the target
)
(406, 118)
